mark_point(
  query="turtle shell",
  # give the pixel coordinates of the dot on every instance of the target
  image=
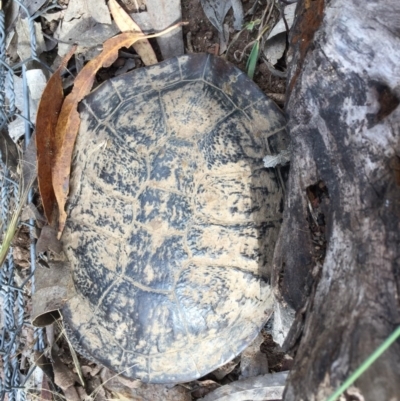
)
(172, 219)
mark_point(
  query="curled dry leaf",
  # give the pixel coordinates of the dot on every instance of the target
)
(50, 294)
(46, 122)
(69, 120)
(127, 24)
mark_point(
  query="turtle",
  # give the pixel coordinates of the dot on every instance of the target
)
(172, 219)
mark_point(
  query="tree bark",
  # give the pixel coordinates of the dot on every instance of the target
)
(344, 120)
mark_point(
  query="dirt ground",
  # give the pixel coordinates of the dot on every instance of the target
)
(201, 36)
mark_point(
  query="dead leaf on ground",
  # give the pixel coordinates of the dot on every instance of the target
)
(94, 386)
(216, 11)
(267, 387)
(275, 44)
(48, 241)
(204, 387)
(140, 391)
(16, 128)
(161, 15)
(96, 8)
(72, 394)
(87, 23)
(32, 6)
(92, 370)
(50, 293)
(29, 166)
(36, 80)
(30, 212)
(46, 122)
(11, 11)
(24, 48)
(9, 151)
(126, 24)
(253, 361)
(69, 120)
(63, 376)
(21, 252)
(224, 370)
(129, 65)
(117, 383)
(42, 362)
(45, 392)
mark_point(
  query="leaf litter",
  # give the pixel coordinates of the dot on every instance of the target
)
(201, 36)
(86, 23)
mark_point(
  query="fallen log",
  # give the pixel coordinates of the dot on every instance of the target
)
(344, 119)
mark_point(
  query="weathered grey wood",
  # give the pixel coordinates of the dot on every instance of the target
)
(344, 119)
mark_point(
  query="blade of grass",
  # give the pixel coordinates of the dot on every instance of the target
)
(252, 60)
(11, 230)
(13, 224)
(367, 363)
(73, 353)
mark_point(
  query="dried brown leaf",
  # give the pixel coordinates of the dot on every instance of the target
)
(46, 122)
(63, 376)
(45, 392)
(69, 120)
(126, 24)
(48, 241)
(43, 363)
(72, 394)
(9, 151)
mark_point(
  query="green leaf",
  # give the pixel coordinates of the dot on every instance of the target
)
(252, 60)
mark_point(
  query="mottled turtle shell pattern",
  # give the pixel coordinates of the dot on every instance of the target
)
(172, 219)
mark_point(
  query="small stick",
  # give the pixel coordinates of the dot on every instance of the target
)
(189, 42)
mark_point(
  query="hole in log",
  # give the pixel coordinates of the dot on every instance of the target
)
(318, 199)
(388, 102)
(395, 166)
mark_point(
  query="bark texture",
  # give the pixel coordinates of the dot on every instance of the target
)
(344, 120)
